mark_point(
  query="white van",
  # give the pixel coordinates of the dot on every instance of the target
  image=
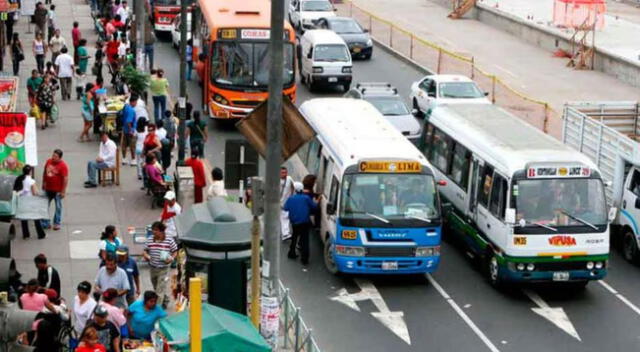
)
(324, 59)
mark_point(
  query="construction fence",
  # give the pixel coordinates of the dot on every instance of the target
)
(442, 61)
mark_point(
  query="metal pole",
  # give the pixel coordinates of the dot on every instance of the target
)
(255, 272)
(182, 101)
(195, 314)
(139, 19)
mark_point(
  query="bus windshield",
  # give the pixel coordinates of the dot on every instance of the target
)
(560, 202)
(246, 64)
(460, 90)
(389, 197)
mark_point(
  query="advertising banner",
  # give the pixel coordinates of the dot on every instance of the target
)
(12, 142)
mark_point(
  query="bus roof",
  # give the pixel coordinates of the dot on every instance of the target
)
(324, 36)
(238, 14)
(353, 130)
(501, 139)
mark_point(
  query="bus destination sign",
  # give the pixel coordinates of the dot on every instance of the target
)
(255, 33)
(558, 171)
(390, 166)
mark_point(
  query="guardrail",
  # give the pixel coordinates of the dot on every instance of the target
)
(297, 336)
(440, 60)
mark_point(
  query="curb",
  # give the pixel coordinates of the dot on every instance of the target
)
(402, 57)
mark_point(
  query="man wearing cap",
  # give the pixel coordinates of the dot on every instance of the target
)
(131, 268)
(110, 276)
(300, 207)
(169, 212)
(108, 334)
(160, 251)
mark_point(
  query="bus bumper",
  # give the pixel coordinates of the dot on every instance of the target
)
(560, 273)
(160, 27)
(374, 265)
(220, 111)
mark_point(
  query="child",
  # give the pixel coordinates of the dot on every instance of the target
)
(33, 83)
(81, 82)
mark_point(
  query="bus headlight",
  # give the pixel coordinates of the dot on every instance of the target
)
(520, 266)
(219, 99)
(427, 251)
(350, 251)
(599, 265)
(590, 265)
(530, 267)
(317, 70)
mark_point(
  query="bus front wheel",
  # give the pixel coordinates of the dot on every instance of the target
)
(630, 247)
(329, 260)
(492, 269)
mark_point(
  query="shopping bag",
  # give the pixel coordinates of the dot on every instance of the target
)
(35, 111)
(54, 113)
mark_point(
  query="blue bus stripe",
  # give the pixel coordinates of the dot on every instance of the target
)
(632, 220)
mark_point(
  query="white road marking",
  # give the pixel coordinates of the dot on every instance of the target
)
(620, 296)
(463, 315)
(507, 71)
(557, 316)
(394, 321)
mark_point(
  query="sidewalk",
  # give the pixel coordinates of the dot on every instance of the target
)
(525, 67)
(73, 250)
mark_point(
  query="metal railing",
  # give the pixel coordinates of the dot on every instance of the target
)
(298, 336)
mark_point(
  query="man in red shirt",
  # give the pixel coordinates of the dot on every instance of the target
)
(54, 183)
(75, 37)
(199, 178)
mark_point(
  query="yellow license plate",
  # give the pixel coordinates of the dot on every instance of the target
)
(356, 50)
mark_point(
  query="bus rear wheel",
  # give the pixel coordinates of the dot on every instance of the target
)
(329, 259)
(630, 247)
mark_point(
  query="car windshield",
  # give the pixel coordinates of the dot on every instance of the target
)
(316, 6)
(560, 202)
(246, 64)
(333, 52)
(347, 26)
(460, 90)
(389, 106)
(388, 196)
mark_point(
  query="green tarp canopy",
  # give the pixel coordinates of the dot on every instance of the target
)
(222, 331)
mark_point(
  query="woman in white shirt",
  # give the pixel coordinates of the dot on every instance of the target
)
(141, 134)
(83, 306)
(25, 186)
(217, 186)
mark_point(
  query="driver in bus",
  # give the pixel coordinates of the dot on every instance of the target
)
(416, 194)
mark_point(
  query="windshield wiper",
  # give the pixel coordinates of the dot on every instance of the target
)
(428, 221)
(541, 225)
(378, 218)
(578, 219)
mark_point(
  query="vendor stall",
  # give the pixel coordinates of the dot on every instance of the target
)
(8, 93)
(108, 109)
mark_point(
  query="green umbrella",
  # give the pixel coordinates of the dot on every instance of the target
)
(222, 331)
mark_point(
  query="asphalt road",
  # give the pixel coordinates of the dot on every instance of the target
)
(455, 309)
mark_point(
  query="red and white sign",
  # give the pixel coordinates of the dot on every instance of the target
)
(255, 34)
(562, 241)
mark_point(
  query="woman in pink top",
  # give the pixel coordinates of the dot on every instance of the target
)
(116, 316)
(34, 301)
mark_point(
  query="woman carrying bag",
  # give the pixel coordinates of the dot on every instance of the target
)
(25, 186)
(17, 53)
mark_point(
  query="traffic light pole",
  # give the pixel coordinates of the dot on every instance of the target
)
(182, 100)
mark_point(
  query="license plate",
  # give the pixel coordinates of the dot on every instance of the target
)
(333, 79)
(561, 276)
(356, 50)
(389, 265)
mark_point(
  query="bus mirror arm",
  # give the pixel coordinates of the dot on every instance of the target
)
(331, 209)
(613, 211)
(637, 203)
(510, 216)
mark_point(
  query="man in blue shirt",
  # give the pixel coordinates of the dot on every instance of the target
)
(130, 267)
(129, 130)
(300, 207)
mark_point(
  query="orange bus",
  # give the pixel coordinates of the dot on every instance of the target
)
(234, 38)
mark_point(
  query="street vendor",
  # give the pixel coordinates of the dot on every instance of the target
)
(143, 315)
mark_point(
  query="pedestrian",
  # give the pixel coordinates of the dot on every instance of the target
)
(33, 301)
(122, 50)
(17, 53)
(170, 210)
(300, 207)
(111, 276)
(158, 87)
(160, 251)
(48, 276)
(197, 133)
(141, 134)
(59, 305)
(123, 12)
(45, 98)
(143, 315)
(56, 43)
(99, 58)
(25, 186)
(106, 159)
(33, 84)
(54, 182)
(115, 314)
(189, 58)
(76, 35)
(83, 306)
(217, 185)
(65, 66)
(9, 22)
(109, 242)
(128, 142)
(83, 56)
(286, 190)
(50, 69)
(90, 341)
(126, 263)
(109, 29)
(39, 51)
(167, 133)
(149, 41)
(80, 79)
(119, 25)
(188, 108)
(40, 16)
(86, 109)
(153, 172)
(107, 333)
(200, 65)
(199, 175)
(52, 22)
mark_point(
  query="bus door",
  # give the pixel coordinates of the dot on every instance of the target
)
(323, 178)
(472, 197)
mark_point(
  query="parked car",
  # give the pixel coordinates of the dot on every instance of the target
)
(303, 13)
(387, 100)
(435, 90)
(175, 30)
(357, 38)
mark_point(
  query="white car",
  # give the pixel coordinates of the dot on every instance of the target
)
(435, 90)
(175, 30)
(304, 13)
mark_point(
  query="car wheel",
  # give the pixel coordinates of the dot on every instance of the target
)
(630, 247)
(329, 260)
(311, 84)
(368, 56)
(346, 86)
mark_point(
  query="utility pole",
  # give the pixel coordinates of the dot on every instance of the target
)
(182, 100)
(140, 19)
(274, 149)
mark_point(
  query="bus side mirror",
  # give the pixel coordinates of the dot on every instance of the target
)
(486, 94)
(310, 54)
(614, 211)
(331, 208)
(510, 216)
(638, 203)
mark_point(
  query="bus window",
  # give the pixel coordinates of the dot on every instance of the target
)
(428, 140)
(460, 165)
(440, 152)
(313, 160)
(322, 178)
(333, 194)
(303, 153)
(485, 185)
(498, 196)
